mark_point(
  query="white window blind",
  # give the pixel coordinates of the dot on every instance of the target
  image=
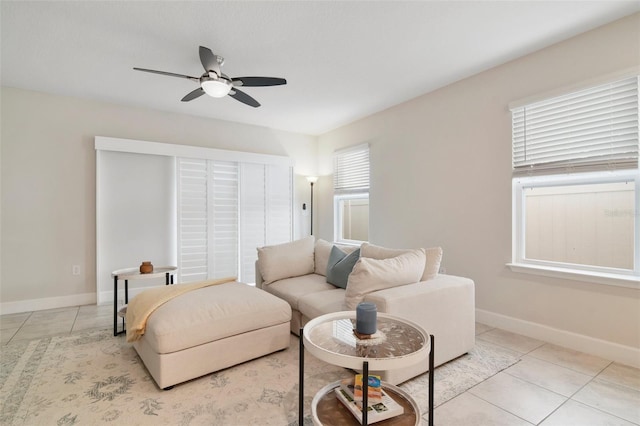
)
(590, 130)
(351, 170)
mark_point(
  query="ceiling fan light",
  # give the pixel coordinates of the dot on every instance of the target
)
(216, 88)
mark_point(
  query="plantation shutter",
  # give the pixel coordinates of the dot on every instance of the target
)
(226, 210)
(223, 241)
(252, 217)
(193, 248)
(265, 211)
(590, 130)
(351, 170)
(279, 207)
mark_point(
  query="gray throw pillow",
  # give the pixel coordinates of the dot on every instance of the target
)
(340, 266)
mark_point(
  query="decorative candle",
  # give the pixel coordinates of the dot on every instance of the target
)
(366, 318)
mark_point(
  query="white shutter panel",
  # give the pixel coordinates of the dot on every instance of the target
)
(226, 210)
(589, 130)
(223, 240)
(279, 208)
(351, 170)
(252, 217)
(192, 220)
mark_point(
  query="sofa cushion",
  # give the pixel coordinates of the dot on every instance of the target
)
(286, 260)
(322, 302)
(292, 289)
(432, 264)
(322, 252)
(340, 266)
(369, 274)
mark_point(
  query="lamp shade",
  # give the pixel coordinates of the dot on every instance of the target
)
(216, 88)
(312, 179)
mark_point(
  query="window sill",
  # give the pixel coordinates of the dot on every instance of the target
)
(628, 281)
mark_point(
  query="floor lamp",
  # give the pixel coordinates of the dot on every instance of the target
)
(312, 180)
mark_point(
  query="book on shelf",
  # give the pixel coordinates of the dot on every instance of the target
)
(374, 390)
(383, 409)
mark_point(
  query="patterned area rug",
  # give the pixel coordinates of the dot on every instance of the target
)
(96, 378)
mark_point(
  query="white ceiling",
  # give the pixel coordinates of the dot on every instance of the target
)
(343, 60)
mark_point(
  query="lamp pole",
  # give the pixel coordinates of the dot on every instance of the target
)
(311, 208)
(312, 180)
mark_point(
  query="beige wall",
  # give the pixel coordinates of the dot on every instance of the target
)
(441, 175)
(48, 183)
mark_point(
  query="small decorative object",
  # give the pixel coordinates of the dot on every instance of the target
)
(366, 318)
(146, 268)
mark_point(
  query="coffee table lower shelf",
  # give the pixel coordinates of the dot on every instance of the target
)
(326, 409)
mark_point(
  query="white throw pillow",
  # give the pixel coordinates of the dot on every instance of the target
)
(322, 252)
(432, 264)
(370, 275)
(286, 260)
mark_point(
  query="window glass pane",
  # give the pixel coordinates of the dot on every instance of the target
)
(588, 224)
(353, 219)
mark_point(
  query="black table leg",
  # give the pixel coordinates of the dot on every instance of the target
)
(365, 393)
(115, 305)
(126, 292)
(301, 380)
(431, 381)
(166, 278)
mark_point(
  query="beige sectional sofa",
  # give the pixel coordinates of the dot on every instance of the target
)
(405, 283)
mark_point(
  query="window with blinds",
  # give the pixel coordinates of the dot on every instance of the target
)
(226, 210)
(351, 170)
(576, 183)
(351, 194)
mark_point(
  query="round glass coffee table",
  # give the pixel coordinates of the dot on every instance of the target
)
(397, 343)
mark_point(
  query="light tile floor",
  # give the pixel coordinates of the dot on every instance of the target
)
(550, 386)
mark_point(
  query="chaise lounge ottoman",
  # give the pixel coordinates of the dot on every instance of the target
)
(212, 328)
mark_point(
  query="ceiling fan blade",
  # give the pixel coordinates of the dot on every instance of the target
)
(244, 98)
(259, 81)
(209, 60)
(171, 74)
(193, 94)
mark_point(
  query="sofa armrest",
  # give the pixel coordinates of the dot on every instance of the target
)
(259, 279)
(444, 306)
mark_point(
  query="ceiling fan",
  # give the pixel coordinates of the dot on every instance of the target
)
(217, 84)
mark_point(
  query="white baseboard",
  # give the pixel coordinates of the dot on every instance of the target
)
(29, 305)
(47, 303)
(609, 350)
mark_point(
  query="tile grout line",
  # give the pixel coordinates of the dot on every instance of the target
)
(74, 320)
(494, 405)
(19, 328)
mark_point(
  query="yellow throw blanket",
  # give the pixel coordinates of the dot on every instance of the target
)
(145, 303)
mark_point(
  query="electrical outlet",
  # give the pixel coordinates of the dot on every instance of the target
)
(75, 269)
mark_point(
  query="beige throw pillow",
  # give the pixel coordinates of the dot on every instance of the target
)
(322, 252)
(286, 260)
(432, 264)
(370, 275)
